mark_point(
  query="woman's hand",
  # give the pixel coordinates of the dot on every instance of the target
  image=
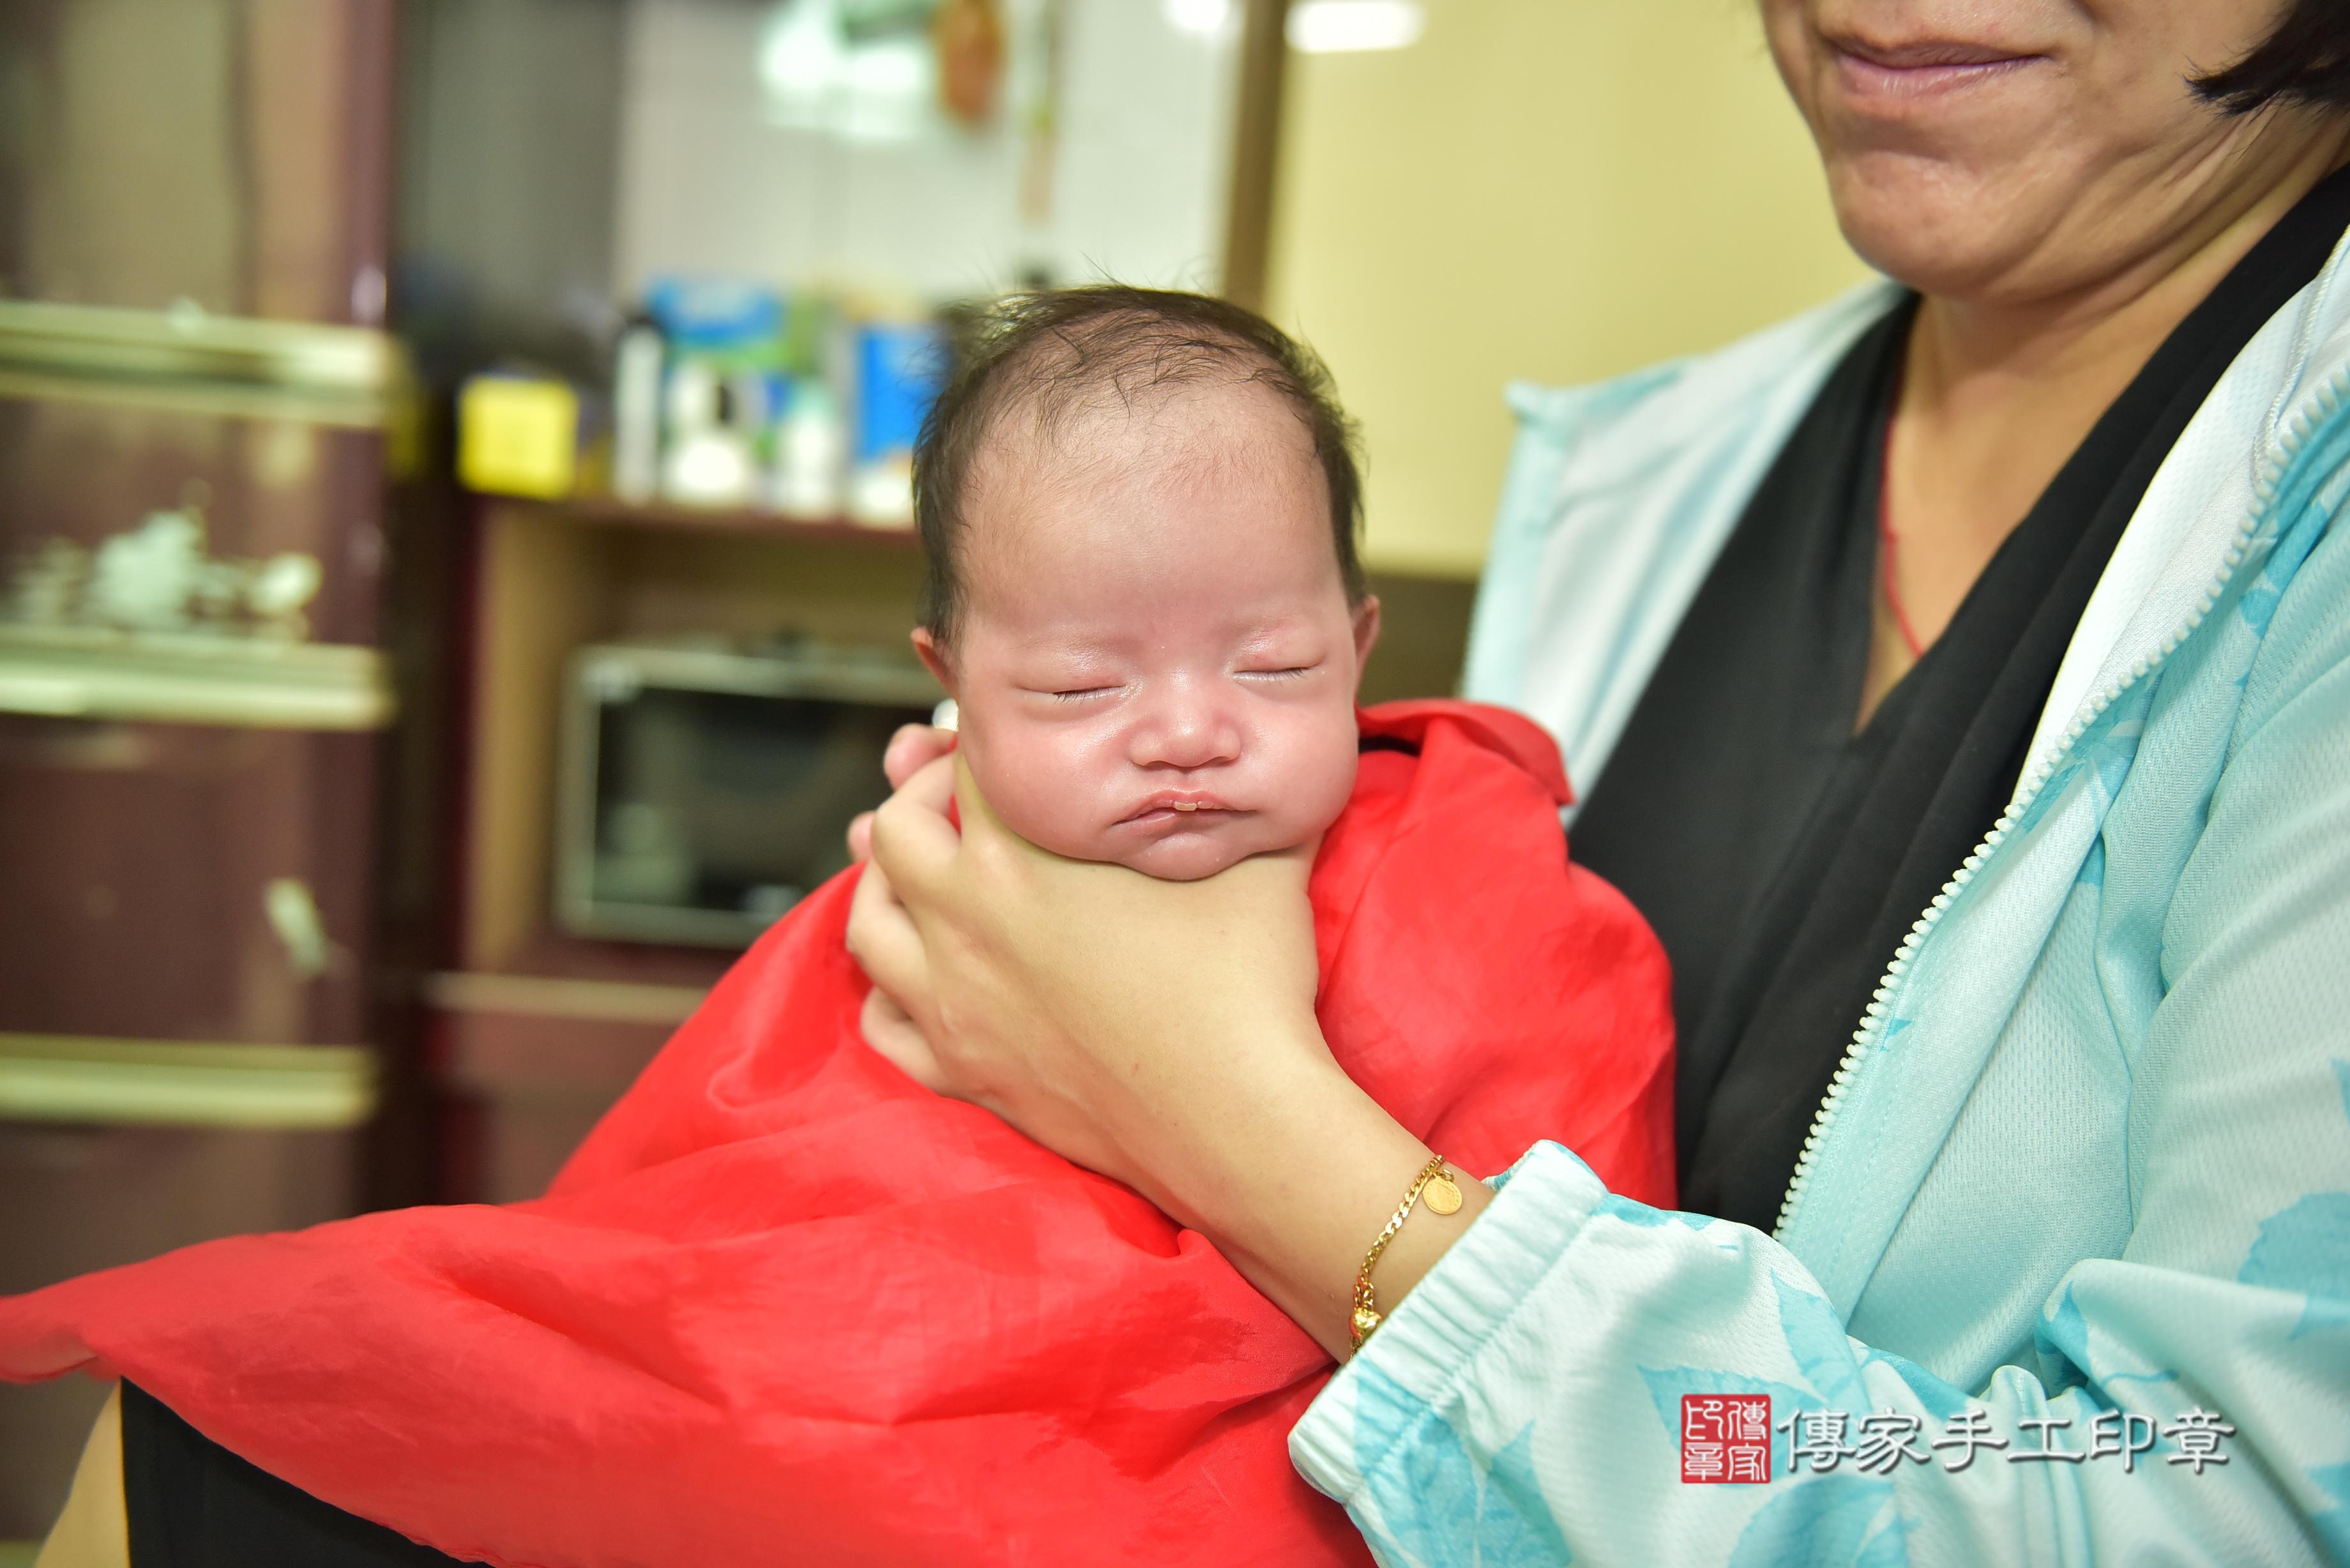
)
(912, 746)
(1067, 997)
(1160, 1032)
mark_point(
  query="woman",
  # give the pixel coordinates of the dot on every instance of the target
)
(2013, 600)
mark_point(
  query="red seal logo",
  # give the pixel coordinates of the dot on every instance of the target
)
(1726, 1438)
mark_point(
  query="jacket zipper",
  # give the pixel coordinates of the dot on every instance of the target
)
(2296, 432)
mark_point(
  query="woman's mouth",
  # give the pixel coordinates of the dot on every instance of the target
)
(1892, 73)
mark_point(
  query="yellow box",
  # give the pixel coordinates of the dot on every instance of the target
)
(517, 436)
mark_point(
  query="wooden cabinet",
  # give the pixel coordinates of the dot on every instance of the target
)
(195, 392)
(533, 1033)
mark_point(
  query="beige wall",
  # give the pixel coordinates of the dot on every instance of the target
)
(1549, 190)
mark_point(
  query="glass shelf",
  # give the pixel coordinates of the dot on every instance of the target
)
(194, 361)
(78, 1078)
(82, 672)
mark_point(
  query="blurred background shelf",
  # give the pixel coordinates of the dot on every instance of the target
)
(84, 673)
(530, 1062)
(209, 847)
(189, 360)
(654, 1002)
(610, 512)
(181, 1083)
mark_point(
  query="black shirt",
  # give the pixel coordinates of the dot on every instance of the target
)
(1783, 857)
(191, 1503)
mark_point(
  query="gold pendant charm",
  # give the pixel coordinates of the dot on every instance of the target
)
(1366, 1321)
(1441, 1196)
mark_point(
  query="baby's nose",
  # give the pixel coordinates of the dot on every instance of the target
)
(1186, 730)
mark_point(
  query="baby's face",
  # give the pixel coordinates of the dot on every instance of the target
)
(1157, 662)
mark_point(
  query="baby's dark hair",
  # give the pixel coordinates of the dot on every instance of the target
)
(1058, 353)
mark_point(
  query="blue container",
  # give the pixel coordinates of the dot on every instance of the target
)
(717, 317)
(900, 370)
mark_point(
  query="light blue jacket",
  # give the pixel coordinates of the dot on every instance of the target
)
(2088, 1157)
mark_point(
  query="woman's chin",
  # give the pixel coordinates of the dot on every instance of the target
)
(1909, 218)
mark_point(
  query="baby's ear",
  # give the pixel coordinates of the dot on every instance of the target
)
(935, 657)
(1366, 632)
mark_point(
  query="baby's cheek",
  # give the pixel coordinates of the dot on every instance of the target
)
(1043, 791)
(1317, 773)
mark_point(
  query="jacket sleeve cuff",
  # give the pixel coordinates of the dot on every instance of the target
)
(1432, 1341)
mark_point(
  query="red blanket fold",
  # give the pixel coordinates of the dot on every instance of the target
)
(785, 1305)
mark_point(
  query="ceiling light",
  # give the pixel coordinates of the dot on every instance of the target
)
(1201, 18)
(1332, 27)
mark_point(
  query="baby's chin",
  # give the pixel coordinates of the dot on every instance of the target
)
(1184, 855)
(1188, 857)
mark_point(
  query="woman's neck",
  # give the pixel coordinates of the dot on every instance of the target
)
(1997, 393)
(2007, 388)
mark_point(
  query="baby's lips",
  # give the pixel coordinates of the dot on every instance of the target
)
(1174, 816)
(1187, 801)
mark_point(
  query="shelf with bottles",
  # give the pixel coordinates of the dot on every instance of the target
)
(727, 400)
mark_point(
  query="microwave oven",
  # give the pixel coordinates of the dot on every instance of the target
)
(705, 791)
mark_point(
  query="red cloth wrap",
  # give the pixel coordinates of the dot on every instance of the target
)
(785, 1305)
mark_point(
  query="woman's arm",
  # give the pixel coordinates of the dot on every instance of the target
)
(1160, 1032)
(1524, 1403)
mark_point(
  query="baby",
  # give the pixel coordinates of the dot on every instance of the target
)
(785, 1305)
(1138, 512)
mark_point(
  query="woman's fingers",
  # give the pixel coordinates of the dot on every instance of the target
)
(979, 823)
(909, 837)
(911, 749)
(895, 1036)
(913, 843)
(885, 944)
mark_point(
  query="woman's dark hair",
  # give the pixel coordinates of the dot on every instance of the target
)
(2305, 60)
(1053, 355)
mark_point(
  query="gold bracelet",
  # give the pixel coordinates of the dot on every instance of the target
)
(1443, 1197)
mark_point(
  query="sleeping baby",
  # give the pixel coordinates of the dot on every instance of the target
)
(786, 1304)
